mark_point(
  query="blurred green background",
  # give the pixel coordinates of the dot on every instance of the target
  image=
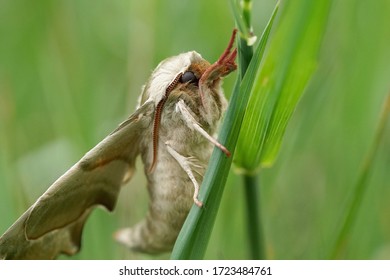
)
(71, 70)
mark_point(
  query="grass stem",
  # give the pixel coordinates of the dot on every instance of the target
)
(251, 185)
(254, 221)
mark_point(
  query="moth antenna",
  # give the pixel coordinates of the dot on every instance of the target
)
(226, 58)
(229, 47)
(232, 56)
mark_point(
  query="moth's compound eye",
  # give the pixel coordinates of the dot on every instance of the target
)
(189, 77)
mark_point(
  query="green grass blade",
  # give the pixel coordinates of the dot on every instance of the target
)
(286, 70)
(193, 238)
(361, 185)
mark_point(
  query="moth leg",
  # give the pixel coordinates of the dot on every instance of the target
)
(185, 164)
(193, 124)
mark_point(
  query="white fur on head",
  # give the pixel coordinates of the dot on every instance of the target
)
(165, 73)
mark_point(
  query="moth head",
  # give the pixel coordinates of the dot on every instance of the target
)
(190, 77)
(177, 73)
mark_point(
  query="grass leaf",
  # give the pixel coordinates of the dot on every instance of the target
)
(361, 186)
(287, 68)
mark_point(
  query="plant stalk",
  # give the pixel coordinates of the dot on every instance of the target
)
(251, 182)
(254, 221)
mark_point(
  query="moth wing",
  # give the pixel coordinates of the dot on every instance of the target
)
(54, 223)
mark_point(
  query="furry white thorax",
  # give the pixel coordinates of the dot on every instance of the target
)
(164, 74)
